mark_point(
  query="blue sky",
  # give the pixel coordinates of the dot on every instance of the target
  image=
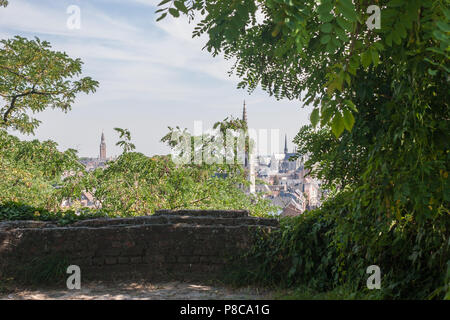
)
(152, 75)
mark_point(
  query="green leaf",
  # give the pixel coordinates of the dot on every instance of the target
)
(440, 36)
(314, 117)
(375, 57)
(325, 39)
(349, 120)
(326, 116)
(327, 27)
(396, 37)
(326, 17)
(344, 24)
(162, 16)
(354, 61)
(174, 12)
(348, 13)
(163, 2)
(325, 7)
(396, 3)
(389, 39)
(341, 34)
(330, 48)
(447, 13)
(351, 105)
(347, 3)
(366, 59)
(337, 124)
(180, 6)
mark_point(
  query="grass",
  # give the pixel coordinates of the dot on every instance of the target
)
(7, 285)
(43, 271)
(338, 293)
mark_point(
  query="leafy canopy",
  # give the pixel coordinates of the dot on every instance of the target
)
(33, 78)
(30, 170)
(313, 50)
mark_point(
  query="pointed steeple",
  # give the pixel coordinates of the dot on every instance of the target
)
(244, 114)
(102, 148)
(285, 144)
(244, 119)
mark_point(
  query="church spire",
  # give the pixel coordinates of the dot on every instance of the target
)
(244, 114)
(285, 144)
(102, 148)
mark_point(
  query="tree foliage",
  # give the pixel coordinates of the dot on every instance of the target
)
(380, 97)
(33, 78)
(30, 170)
(135, 184)
(314, 51)
(126, 142)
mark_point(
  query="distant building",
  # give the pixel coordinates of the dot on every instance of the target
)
(101, 161)
(292, 209)
(287, 164)
(102, 156)
(287, 184)
(249, 162)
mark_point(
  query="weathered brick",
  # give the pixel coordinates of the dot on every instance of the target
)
(110, 260)
(123, 260)
(136, 259)
(185, 243)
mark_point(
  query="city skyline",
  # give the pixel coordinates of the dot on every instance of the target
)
(103, 154)
(152, 75)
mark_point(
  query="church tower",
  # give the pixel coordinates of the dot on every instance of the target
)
(102, 148)
(285, 144)
(244, 119)
(249, 164)
(244, 114)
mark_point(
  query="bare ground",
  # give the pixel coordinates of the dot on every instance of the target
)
(138, 291)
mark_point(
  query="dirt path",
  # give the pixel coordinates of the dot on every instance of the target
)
(139, 291)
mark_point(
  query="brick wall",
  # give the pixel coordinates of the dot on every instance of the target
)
(169, 244)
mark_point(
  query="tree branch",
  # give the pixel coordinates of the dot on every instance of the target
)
(14, 98)
(15, 73)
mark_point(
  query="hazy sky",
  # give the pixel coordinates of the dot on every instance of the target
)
(152, 75)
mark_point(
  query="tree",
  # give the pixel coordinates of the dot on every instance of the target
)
(227, 143)
(314, 51)
(135, 184)
(380, 96)
(30, 170)
(33, 78)
(392, 79)
(126, 144)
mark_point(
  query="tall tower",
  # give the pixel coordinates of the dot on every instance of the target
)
(285, 144)
(249, 164)
(102, 148)
(244, 114)
(246, 154)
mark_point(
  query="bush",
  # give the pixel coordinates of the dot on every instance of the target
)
(16, 211)
(331, 248)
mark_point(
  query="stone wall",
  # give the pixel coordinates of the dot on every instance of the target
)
(169, 244)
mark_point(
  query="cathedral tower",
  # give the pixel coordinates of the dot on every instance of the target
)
(102, 148)
(244, 119)
(285, 144)
(244, 114)
(249, 164)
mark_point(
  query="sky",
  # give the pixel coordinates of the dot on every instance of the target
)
(152, 75)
